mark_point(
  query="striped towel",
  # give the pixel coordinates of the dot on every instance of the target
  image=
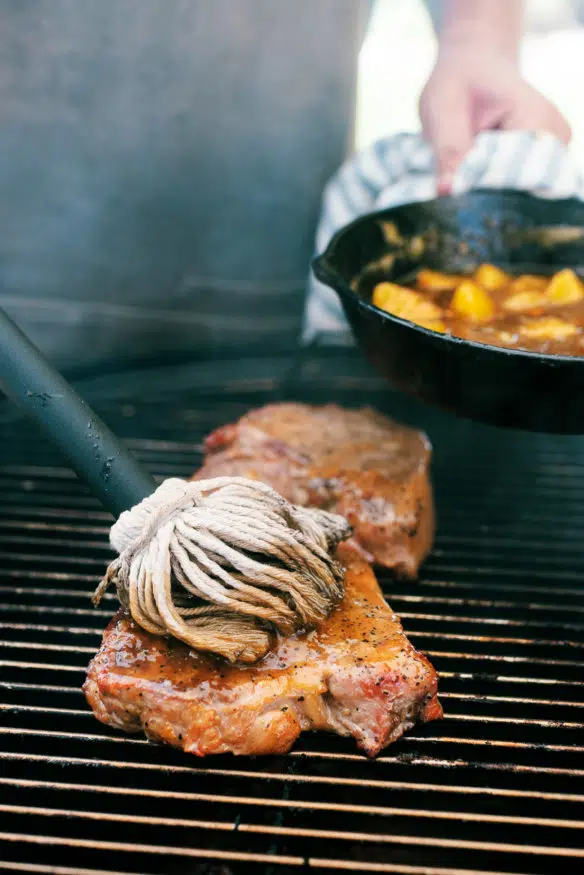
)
(400, 169)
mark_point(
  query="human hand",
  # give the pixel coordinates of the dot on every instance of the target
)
(473, 89)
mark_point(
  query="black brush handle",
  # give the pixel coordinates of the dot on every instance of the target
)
(96, 455)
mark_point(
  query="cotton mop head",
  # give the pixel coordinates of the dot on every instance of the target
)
(222, 564)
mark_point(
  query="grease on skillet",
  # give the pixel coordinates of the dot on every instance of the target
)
(531, 312)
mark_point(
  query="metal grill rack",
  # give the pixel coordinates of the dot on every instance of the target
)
(497, 787)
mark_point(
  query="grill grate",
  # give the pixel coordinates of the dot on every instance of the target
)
(495, 788)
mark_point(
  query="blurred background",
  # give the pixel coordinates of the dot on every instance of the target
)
(400, 47)
(160, 172)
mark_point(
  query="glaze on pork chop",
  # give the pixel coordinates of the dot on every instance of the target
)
(356, 675)
(356, 463)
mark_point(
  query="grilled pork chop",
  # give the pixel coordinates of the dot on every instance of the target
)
(356, 675)
(356, 463)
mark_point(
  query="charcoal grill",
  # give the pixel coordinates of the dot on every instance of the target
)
(497, 787)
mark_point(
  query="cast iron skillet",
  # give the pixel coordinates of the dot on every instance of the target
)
(517, 231)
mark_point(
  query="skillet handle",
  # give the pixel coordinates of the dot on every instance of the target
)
(96, 455)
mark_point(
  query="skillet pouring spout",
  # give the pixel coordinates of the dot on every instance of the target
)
(521, 233)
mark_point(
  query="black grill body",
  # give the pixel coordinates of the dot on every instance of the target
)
(496, 787)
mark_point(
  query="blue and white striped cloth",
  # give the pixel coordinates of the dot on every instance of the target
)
(400, 169)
